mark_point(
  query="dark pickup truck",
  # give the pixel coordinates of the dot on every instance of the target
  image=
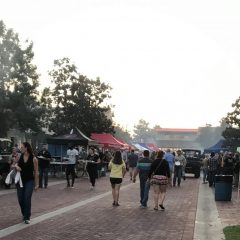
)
(193, 157)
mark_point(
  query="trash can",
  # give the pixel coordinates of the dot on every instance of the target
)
(223, 187)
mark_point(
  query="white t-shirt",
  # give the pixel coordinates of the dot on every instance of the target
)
(72, 153)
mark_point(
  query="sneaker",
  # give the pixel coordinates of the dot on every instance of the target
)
(91, 188)
(117, 204)
(142, 206)
(72, 187)
(113, 203)
(162, 207)
(156, 209)
(27, 221)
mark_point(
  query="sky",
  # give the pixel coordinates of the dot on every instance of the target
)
(171, 63)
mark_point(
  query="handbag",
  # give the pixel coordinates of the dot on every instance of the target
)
(158, 179)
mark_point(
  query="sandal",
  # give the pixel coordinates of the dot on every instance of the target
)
(161, 206)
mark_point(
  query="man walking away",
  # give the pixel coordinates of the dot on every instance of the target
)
(169, 157)
(132, 163)
(44, 158)
(143, 168)
(212, 169)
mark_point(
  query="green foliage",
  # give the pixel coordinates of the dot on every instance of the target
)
(232, 131)
(233, 118)
(141, 131)
(18, 84)
(232, 232)
(78, 101)
(123, 134)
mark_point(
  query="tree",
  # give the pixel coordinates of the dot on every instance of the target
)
(123, 134)
(232, 131)
(78, 101)
(141, 131)
(19, 106)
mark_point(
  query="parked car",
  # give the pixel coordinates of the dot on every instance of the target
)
(193, 157)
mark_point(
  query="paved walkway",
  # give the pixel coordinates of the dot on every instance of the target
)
(60, 213)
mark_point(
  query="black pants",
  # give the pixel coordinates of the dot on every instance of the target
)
(70, 169)
(92, 172)
(211, 178)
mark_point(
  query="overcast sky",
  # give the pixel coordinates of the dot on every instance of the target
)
(171, 63)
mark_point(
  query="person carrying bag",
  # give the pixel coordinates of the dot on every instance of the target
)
(159, 176)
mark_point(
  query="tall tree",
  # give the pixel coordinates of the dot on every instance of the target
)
(232, 131)
(19, 106)
(142, 131)
(79, 101)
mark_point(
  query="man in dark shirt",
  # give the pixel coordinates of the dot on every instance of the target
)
(132, 163)
(44, 158)
(143, 168)
(212, 169)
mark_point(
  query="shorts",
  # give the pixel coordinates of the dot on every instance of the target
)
(115, 181)
(132, 169)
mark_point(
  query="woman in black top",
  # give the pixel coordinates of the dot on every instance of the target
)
(160, 169)
(92, 166)
(28, 168)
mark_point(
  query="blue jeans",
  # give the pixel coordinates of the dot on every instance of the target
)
(24, 198)
(177, 175)
(144, 190)
(205, 172)
(43, 176)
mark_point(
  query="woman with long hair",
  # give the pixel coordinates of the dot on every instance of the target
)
(93, 160)
(28, 168)
(118, 170)
(159, 176)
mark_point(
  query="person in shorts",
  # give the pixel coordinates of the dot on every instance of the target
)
(118, 169)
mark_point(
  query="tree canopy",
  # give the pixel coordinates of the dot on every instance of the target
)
(19, 106)
(77, 101)
(232, 131)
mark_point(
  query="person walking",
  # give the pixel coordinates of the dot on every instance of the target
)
(28, 168)
(72, 154)
(132, 163)
(118, 169)
(159, 176)
(143, 168)
(179, 162)
(205, 168)
(212, 169)
(169, 157)
(93, 160)
(44, 158)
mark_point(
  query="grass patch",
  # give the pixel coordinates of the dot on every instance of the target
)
(232, 232)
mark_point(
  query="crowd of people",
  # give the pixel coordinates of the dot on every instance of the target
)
(157, 171)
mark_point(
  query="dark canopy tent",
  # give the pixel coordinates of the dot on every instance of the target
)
(219, 146)
(58, 145)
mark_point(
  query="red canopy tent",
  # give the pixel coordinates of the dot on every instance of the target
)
(125, 146)
(107, 140)
(152, 147)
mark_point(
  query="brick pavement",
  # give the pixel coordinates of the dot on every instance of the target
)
(229, 210)
(99, 220)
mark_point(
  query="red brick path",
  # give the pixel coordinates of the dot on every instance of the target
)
(99, 220)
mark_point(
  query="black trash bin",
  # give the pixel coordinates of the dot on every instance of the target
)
(223, 187)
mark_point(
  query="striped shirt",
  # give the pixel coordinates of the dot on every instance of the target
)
(144, 165)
